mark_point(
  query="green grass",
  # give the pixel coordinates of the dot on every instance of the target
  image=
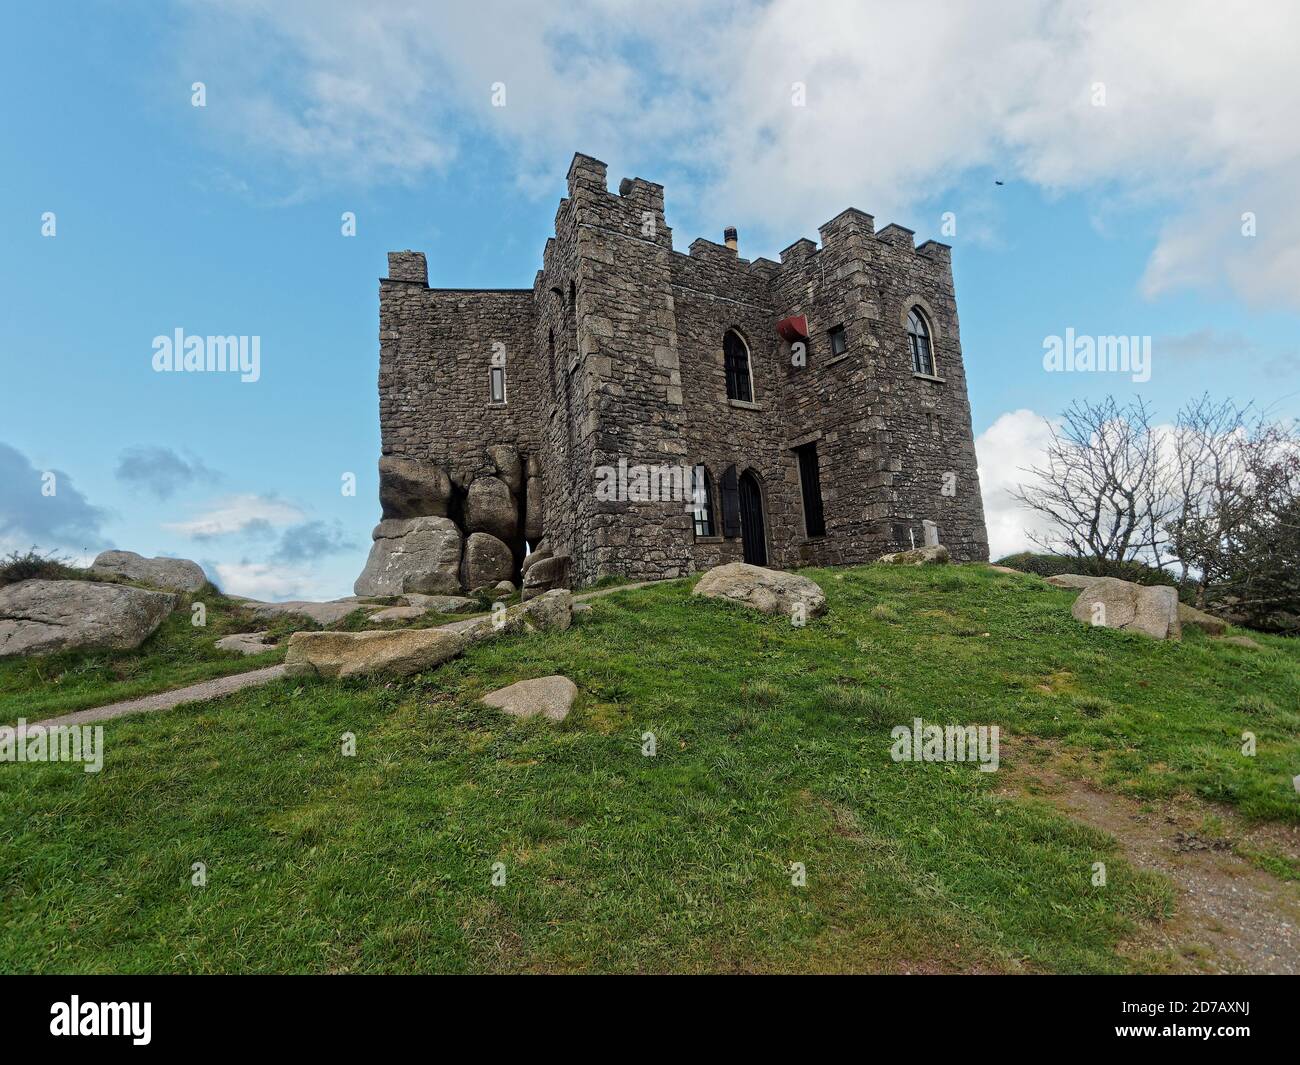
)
(772, 747)
(179, 653)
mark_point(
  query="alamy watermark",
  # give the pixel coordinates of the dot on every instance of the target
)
(664, 483)
(1088, 354)
(945, 743)
(179, 353)
(53, 743)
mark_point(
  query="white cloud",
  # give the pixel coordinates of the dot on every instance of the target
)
(267, 581)
(904, 97)
(1008, 447)
(238, 514)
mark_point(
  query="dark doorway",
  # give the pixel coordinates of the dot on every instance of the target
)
(752, 533)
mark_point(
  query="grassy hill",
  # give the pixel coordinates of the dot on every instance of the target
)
(772, 748)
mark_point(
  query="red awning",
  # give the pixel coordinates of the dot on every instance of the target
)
(793, 328)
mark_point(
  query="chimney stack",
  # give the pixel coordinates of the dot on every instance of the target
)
(729, 237)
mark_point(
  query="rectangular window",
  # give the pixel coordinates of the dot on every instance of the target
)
(839, 342)
(703, 493)
(811, 482)
(498, 384)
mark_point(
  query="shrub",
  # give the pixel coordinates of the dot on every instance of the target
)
(32, 565)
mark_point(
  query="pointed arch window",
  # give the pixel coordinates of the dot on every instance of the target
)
(920, 343)
(735, 357)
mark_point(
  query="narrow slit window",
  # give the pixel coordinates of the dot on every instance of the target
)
(814, 520)
(498, 384)
(703, 503)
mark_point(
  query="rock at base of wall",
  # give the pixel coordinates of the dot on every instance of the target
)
(40, 617)
(413, 488)
(551, 697)
(546, 575)
(487, 561)
(768, 590)
(918, 556)
(413, 555)
(170, 574)
(347, 654)
(1114, 604)
(540, 552)
(490, 507)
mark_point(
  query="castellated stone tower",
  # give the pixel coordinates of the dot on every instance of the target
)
(818, 406)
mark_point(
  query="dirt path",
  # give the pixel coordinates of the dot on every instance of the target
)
(1231, 917)
(208, 689)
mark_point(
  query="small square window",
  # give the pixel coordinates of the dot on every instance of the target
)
(839, 342)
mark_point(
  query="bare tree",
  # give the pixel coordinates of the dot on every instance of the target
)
(1105, 485)
(1216, 452)
(1235, 477)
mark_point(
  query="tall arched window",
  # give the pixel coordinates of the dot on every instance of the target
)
(735, 357)
(703, 511)
(918, 340)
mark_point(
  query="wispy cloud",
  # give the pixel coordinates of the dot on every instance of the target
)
(312, 540)
(247, 513)
(161, 471)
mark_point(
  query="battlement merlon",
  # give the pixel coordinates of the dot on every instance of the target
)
(408, 266)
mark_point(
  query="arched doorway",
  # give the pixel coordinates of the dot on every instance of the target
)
(753, 531)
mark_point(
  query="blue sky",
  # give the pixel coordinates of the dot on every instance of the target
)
(1123, 218)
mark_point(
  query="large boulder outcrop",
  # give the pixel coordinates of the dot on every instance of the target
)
(413, 555)
(533, 510)
(347, 654)
(413, 488)
(490, 507)
(771, 591)
(551, 697)
(486, 561)
(1116, 604)
(40, 617)
(546, 574)
(509, 466)
(169, 574)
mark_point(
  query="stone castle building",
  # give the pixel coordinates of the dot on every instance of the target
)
(824, 397)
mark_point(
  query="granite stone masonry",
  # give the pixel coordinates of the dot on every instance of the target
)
(825, 395)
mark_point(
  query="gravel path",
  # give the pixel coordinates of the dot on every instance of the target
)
(209, 689)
